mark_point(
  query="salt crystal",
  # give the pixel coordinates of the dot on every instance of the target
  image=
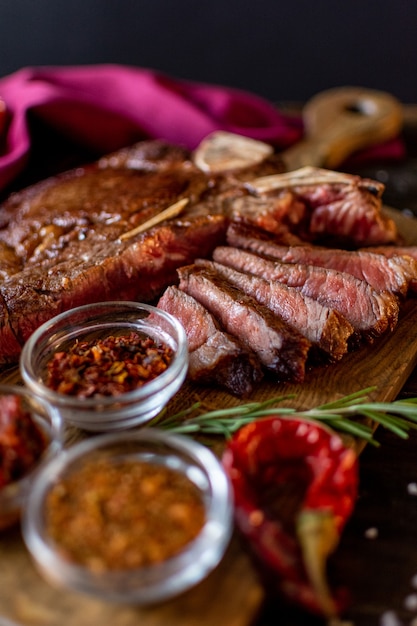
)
(410, 602)
(412, 489)
(371, 533)
(389, 618)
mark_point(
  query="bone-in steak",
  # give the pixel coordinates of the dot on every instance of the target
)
(75, 238)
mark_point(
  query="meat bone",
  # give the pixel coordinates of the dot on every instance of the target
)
(337, 123)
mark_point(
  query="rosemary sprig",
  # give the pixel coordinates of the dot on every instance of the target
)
(341, 415)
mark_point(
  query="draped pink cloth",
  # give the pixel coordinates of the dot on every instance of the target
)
(105, 107)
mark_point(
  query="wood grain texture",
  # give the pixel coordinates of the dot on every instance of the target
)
(232, 594)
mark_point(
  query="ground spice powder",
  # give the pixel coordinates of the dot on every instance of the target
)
(125, 515)
(107, 367)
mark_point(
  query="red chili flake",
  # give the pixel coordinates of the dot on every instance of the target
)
(107, 367)
(22, 442)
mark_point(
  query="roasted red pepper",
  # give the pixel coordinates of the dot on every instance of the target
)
(22, 442)
(295, 486)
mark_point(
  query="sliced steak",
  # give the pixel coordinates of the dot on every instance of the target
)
(392, 274)
(280, 215)
(404, 253)
(74, 238)
(370, 313)
(324, 327)
(279, 347)
(216, 357)
(137, 269)
(341, 207)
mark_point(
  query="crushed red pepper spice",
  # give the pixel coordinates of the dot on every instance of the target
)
(125, 515)
(107, 367)
(22, 441)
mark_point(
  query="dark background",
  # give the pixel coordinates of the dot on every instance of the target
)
(284, 51)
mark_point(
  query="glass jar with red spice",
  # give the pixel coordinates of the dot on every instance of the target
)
(135, 517)
(29, 436)
(106, 366)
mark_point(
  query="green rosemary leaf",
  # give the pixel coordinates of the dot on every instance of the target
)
(389, 422)
(319, 415)
(353, 428)
(341, 415)
(347, 400)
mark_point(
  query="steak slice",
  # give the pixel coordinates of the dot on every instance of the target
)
(136, 269)
(279, 347)
(370, 313)
(405, 253)
(324, 327)
(341, 207)
(215, 356)
(391, 274)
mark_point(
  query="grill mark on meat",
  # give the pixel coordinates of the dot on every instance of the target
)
(392, 274)
(138, 269)
(214, 356)
(371, 313)
(280, 348)
(325, 327)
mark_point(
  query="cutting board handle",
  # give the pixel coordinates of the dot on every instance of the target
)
(341, 121)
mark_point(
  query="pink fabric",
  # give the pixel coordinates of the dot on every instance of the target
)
(105, 107)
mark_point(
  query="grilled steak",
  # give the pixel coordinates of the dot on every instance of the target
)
(279, 347)
(324, 327)
(339, 206)
(75, 238)
(371, 313)
(136, 269)
(392, 274)
(215, 356)
(60, 218)
(407, 254)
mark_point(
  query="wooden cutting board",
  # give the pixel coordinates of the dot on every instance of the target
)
(231, 595)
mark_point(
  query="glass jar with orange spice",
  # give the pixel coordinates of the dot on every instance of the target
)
(136, 517)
